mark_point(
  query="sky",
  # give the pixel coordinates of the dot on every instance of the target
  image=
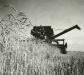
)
(60, 14)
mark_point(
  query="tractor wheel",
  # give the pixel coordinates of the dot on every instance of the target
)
(63, 50)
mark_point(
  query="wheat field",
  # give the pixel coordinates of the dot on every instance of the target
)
(22, 55)
(34, 57)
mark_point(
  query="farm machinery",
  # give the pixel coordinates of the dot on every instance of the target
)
(46, 33)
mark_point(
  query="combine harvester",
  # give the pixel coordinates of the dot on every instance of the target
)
(46, 34)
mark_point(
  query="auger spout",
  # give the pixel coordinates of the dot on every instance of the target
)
(65, 31)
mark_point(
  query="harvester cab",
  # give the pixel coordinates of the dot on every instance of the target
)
(46, 33)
